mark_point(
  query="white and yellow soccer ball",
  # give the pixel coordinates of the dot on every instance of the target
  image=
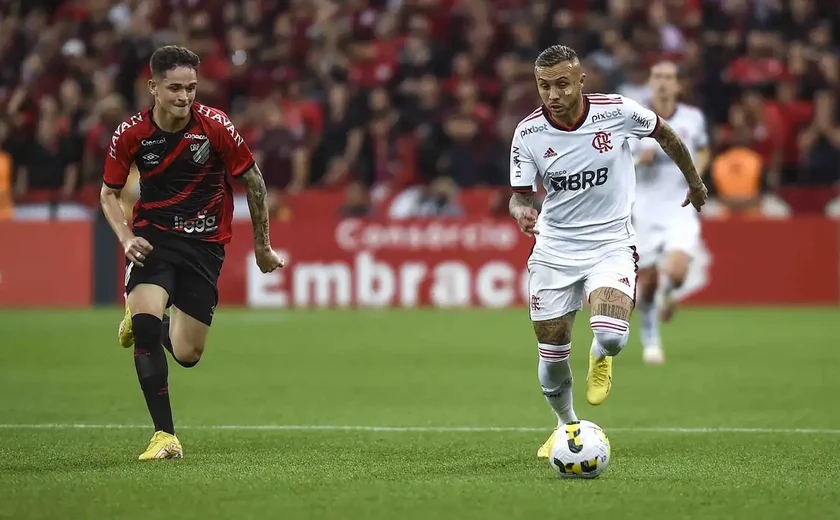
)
(581, 450)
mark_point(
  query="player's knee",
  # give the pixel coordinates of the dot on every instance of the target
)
(149, 359)
(611, 333)
(188, 357)
(556, 331)
(676, 268)
(677, 278)
(147, 331)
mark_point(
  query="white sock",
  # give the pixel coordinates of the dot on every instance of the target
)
(556, 380)
(665, 286)
(649, 325)
(610, 336)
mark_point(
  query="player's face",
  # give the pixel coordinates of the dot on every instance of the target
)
(663, 81)
(560, 87)
(175, 91)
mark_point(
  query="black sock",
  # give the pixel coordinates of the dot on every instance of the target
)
(166, 341)
(152, 371)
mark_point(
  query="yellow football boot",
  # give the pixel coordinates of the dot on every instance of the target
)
(545, 450)
(598, 380)
(126, 334)
(163, 446)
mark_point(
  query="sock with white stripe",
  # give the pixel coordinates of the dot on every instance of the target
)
(610, 335)
(556, 380)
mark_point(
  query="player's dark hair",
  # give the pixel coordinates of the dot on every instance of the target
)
(169, 57)
(556, 54)
(679, 70)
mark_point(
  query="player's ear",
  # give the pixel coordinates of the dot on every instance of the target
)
(153, 87)
(582, 79)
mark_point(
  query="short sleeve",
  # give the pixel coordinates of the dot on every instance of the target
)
(702, 138)
(523, 169)
(234, 150)
(118, 162)
(639, 121)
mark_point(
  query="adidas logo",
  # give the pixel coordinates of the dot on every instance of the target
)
(625, 281)
(549, 153)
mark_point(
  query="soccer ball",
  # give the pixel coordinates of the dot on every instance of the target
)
(581, 450)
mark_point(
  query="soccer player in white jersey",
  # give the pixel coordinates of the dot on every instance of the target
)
(667, 236)
(577, 145)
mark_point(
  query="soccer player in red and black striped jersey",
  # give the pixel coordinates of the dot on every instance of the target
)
(185, 153)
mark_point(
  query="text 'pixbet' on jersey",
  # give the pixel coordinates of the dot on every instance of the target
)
(561, 181)
(533, 130)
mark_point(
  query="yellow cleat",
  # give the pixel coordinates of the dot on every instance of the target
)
(545, 450)
(598, 380)
(126, 331)
(163, 446)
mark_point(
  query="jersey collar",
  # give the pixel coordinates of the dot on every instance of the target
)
(578, 123)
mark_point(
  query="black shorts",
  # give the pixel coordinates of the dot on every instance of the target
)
(187, 269)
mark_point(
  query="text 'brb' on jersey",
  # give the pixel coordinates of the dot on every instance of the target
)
(587, 171)
(184, 188)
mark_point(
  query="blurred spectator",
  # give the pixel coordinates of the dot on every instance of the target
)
(282, 155)
(439, 200)
(387, 154)
(819, 144)
(357, 203)
(393, 94)
(341, 139)
(6, 174)
(50, 161)
(737, 174)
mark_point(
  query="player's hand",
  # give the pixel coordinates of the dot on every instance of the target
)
(137, 249)
(527, 221)
(696, 196)
(267, 259)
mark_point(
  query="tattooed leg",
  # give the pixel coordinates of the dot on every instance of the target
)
(557, 331)
(554, 339)
(610, 319)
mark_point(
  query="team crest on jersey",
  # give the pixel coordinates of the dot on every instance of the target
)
(602, 142)
(201, 152)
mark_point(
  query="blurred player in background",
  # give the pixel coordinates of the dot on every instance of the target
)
(585, 241)
(184, 153)
(667, 236)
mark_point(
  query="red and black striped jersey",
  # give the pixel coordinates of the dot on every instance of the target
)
(184, 185)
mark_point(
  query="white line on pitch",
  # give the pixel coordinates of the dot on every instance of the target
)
(406, 429)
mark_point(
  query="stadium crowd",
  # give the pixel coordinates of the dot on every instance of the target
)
(410, 101)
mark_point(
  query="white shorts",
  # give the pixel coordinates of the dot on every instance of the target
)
(657, 240)
(557, 286)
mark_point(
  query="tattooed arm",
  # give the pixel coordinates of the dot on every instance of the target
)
(522, 209)
(519, 202)
(675, 148)
(257, 205)
(678, 152)
(267, 259)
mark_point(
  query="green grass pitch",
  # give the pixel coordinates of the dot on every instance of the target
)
(755, 392)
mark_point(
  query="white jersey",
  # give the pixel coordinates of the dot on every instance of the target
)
(660, 186)
(587, 171)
